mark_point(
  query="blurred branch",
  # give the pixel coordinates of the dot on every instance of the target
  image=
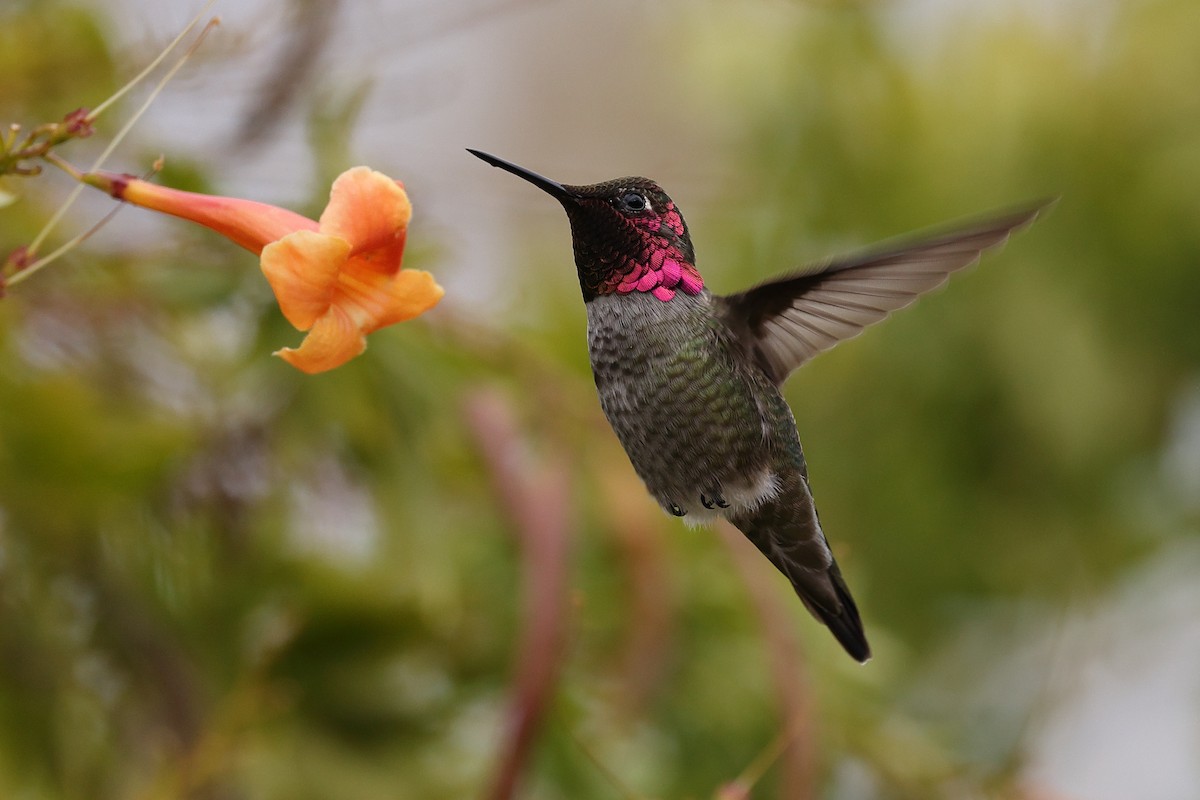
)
(291, 76)
(536, 501)
(197, 770)
(613, 778)
(796, 741)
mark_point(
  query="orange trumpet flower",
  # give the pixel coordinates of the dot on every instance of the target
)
(339, 277)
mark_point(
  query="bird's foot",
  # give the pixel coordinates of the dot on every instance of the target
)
(713, 500)
(676, 510)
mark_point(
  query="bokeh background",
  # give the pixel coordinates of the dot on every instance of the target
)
(433, 569)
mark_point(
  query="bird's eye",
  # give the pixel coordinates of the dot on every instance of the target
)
(635, 202)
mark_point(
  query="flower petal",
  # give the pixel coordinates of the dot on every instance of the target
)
(333, 340)
(247, 223)
(373, 299)
(302, 269)
(367, 209)
(410, 293)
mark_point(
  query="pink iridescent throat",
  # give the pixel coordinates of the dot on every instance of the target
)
(662, 269)
(662, 274)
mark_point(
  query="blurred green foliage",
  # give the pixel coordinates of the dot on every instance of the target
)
(220, 578)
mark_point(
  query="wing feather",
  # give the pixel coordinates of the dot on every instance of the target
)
(789, 320)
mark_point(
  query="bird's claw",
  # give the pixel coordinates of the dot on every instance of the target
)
(676, 510)
(713, 500)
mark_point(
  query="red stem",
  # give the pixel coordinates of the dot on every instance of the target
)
(537, 502)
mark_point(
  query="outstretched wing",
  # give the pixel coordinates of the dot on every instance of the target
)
(789, 320)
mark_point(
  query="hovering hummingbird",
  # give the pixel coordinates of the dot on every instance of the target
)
(690, 380)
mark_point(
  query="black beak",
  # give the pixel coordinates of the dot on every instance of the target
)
(552, 188)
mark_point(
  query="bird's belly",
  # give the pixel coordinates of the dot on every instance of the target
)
(687, 418)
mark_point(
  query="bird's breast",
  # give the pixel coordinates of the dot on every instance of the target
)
(684, 408)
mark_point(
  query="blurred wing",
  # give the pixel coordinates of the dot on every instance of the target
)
(789, 320)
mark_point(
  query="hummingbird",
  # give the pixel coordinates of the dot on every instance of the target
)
(690, 380)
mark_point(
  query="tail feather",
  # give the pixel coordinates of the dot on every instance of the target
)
(787, 532)
(842, 619)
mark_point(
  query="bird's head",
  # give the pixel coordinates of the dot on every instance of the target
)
(627, 233)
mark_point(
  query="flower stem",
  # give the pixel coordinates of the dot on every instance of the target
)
(63, 164)
(63, 248)
(95, 112)
(121, 134)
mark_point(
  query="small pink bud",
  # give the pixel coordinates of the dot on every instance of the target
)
(79, 123)
(19, 259)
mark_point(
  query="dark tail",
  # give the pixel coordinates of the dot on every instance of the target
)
(787, 532)
(843, 620)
